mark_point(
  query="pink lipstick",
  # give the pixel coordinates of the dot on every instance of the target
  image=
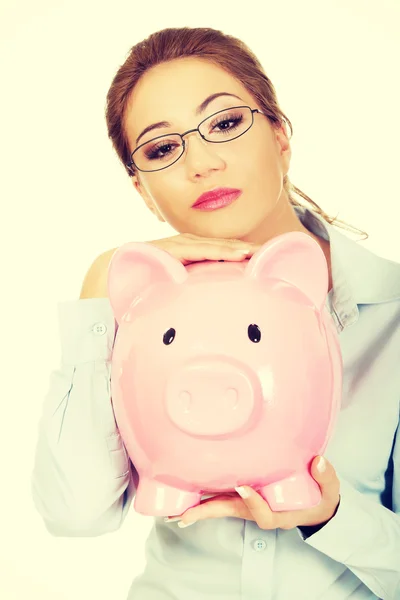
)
(217, 198)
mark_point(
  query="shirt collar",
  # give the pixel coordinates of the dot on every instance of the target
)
(358, 275)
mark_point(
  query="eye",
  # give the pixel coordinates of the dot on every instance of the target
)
(254, 333)
(169, 336)
(160, 151)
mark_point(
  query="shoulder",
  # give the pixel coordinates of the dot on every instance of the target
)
(373, 278)
(101, 261)
(369, 278)
(96, 273)
(96, 266)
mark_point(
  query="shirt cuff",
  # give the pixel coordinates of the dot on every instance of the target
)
(87, 330)
(351, 529)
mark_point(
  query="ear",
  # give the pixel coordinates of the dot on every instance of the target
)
(295, 258)
(285, 151)
(134, 268)
(139, 187)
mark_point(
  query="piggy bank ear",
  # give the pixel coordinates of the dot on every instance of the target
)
(296, 258)
(136, 266)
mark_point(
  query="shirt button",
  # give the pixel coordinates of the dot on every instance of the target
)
(99, 329)
(259, 545)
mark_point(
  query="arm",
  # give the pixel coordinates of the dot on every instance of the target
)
(365, 536)
(82, 481)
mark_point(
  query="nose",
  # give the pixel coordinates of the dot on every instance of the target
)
(211, 398)
(200, 156)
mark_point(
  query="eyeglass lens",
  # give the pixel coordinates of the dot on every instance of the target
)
(163, 151)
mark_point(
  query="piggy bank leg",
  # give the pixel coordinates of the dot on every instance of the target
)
(158, 499)
(293, 493)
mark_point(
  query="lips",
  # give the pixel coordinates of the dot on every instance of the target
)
(216, 198)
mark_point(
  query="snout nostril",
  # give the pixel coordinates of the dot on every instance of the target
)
(231, 399)
(185, 398)
(212, 398)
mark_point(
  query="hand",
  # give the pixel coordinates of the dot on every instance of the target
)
(188, 248)
(255, 508)
(185, 247)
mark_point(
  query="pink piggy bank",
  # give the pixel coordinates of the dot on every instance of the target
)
(224, 373)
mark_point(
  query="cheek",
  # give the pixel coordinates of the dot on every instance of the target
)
(162, 189)
(259, 162)
(252, 153)
(269, 164)
(170, 196)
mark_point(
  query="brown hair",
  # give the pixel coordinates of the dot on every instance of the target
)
(225, 51)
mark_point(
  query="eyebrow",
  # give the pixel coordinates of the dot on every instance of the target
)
(200, 109)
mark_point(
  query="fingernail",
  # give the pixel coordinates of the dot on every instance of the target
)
(242, 492)
(181, 524)
(321, 466)
(171, 519)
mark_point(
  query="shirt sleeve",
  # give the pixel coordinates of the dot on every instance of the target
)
(82, 481)
(365, 536)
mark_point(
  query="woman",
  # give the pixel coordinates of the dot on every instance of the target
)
(179, 94)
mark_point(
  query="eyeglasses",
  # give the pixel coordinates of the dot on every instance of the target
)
(163, 151)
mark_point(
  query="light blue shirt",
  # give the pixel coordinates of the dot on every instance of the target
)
(83, 481)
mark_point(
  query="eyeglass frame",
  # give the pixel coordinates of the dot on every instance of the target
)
(132, 162)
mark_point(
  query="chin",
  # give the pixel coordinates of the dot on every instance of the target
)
(227, 229)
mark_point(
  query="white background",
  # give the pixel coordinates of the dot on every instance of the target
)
(65, 198)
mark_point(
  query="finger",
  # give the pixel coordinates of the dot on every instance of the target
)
(322, 512)
(197, 253)
(267, 518)
(258, 508)
(216, 509)
(229, 244)
(225, 496)
(220, 241)
(325, 475)
(229, 253)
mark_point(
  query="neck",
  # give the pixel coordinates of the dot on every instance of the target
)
(283, 219)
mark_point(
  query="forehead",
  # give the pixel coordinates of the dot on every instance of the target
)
(173, 90)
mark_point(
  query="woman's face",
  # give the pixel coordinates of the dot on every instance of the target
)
(255, 163)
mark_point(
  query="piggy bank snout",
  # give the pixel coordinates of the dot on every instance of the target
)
(211, 398)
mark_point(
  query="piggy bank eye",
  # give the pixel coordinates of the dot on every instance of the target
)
(254, 333)
(169, 336)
